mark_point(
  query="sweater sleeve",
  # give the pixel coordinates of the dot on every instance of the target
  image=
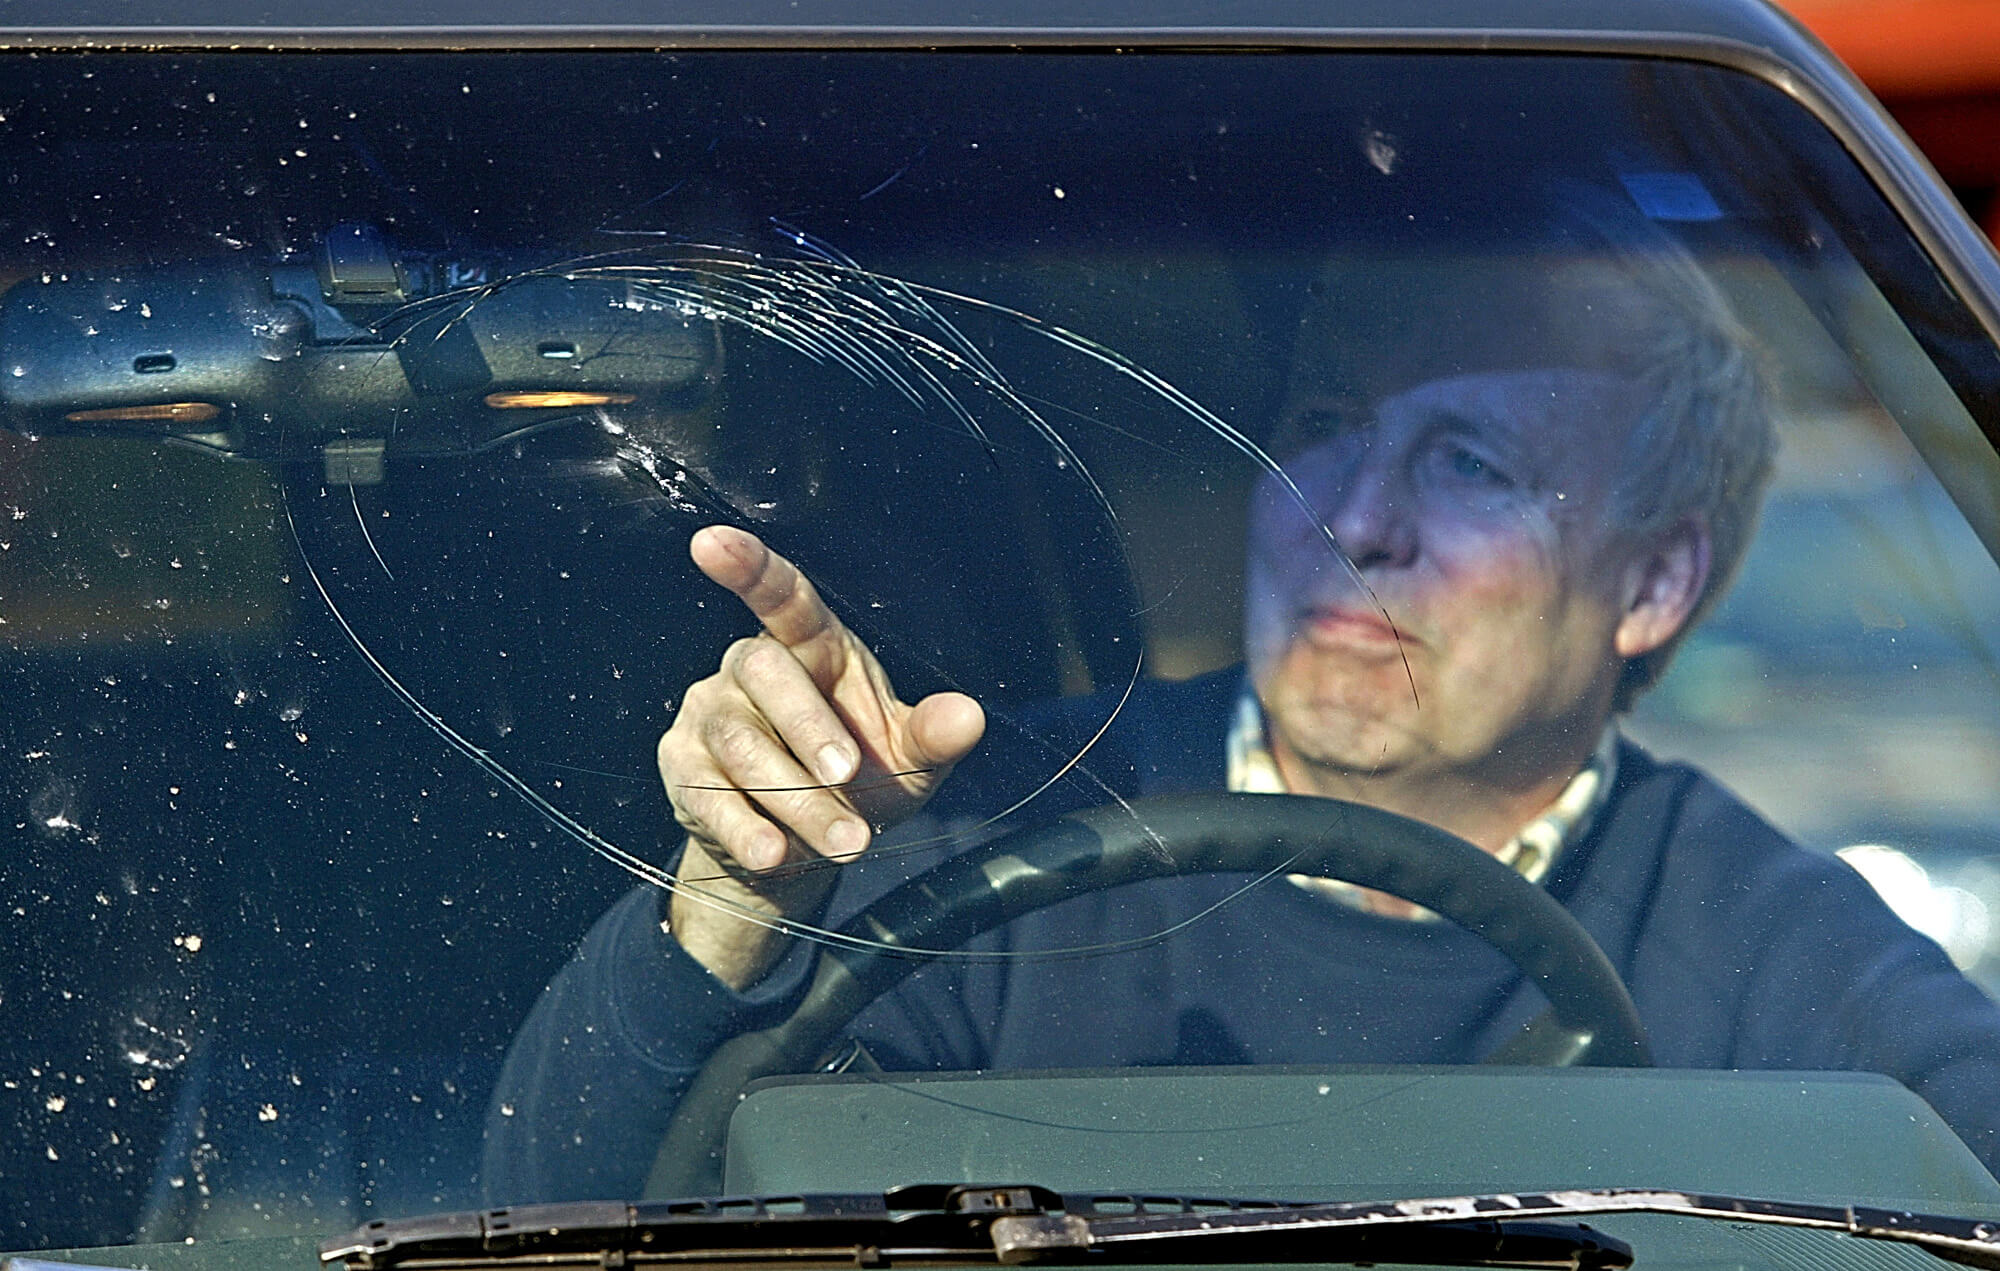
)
(1745, 950)
(1820, 974)
(594, 1075)
(1864, 992)
(592, 1078)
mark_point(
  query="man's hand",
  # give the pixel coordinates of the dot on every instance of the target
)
(797, 748)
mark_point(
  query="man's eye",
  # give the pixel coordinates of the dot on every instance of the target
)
(1468, 465)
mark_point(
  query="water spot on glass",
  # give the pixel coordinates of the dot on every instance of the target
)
(56, 1103)
(54, 807)
(1383, 151)
(190, 942)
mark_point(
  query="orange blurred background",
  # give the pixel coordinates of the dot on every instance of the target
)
(1936, 65)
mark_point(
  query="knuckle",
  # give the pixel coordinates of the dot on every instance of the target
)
(765, 664)
(702, 700)
(678, 755)
(671, 745)
(793, 807)
(735, 742)
(716, 824)
(740, 652)
(691, 793)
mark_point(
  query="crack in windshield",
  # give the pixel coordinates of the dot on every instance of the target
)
(888, 334)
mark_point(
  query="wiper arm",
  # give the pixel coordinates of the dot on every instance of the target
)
(1972, 1242)
(954, 1224)
(1022, 1224)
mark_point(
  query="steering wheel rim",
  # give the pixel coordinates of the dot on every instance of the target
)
(1591, 1017)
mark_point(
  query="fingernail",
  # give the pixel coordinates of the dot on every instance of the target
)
(846, 836)
(833, 764)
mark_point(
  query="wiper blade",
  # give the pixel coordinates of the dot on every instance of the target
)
(1023, 1224)
(1969, 1241)
(951, 1224)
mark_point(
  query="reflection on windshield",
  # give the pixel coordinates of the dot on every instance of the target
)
(369, 529)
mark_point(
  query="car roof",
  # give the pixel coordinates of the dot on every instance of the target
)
(1750, 22)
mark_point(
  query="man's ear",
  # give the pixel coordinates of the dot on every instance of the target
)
(1662, 584)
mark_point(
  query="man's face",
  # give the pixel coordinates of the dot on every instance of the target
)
(1483, 642)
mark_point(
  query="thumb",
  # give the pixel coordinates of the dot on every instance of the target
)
(942, 729)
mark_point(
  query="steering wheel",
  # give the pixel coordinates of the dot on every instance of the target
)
(1591, 1018)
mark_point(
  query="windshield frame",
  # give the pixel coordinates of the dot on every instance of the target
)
(1959, 254)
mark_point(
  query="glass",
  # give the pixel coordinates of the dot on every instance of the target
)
(366, 406)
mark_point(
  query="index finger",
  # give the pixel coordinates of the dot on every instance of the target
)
(773, 588)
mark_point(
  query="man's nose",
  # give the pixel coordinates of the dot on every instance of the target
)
(1370, 513)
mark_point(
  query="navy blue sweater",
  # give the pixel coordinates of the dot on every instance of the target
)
(1741, 949)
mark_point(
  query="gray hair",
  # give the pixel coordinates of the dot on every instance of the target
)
(1702, 450)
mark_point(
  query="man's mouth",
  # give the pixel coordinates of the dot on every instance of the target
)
(1356, 629)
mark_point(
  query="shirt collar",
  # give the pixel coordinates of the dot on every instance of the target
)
(1533, 850)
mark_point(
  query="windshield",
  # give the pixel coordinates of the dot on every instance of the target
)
(509, 559)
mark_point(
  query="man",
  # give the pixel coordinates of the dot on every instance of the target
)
(1479, 550)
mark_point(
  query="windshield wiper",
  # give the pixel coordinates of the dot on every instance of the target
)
(946, 1223)
(1022, 1224)
(1970, 1241)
